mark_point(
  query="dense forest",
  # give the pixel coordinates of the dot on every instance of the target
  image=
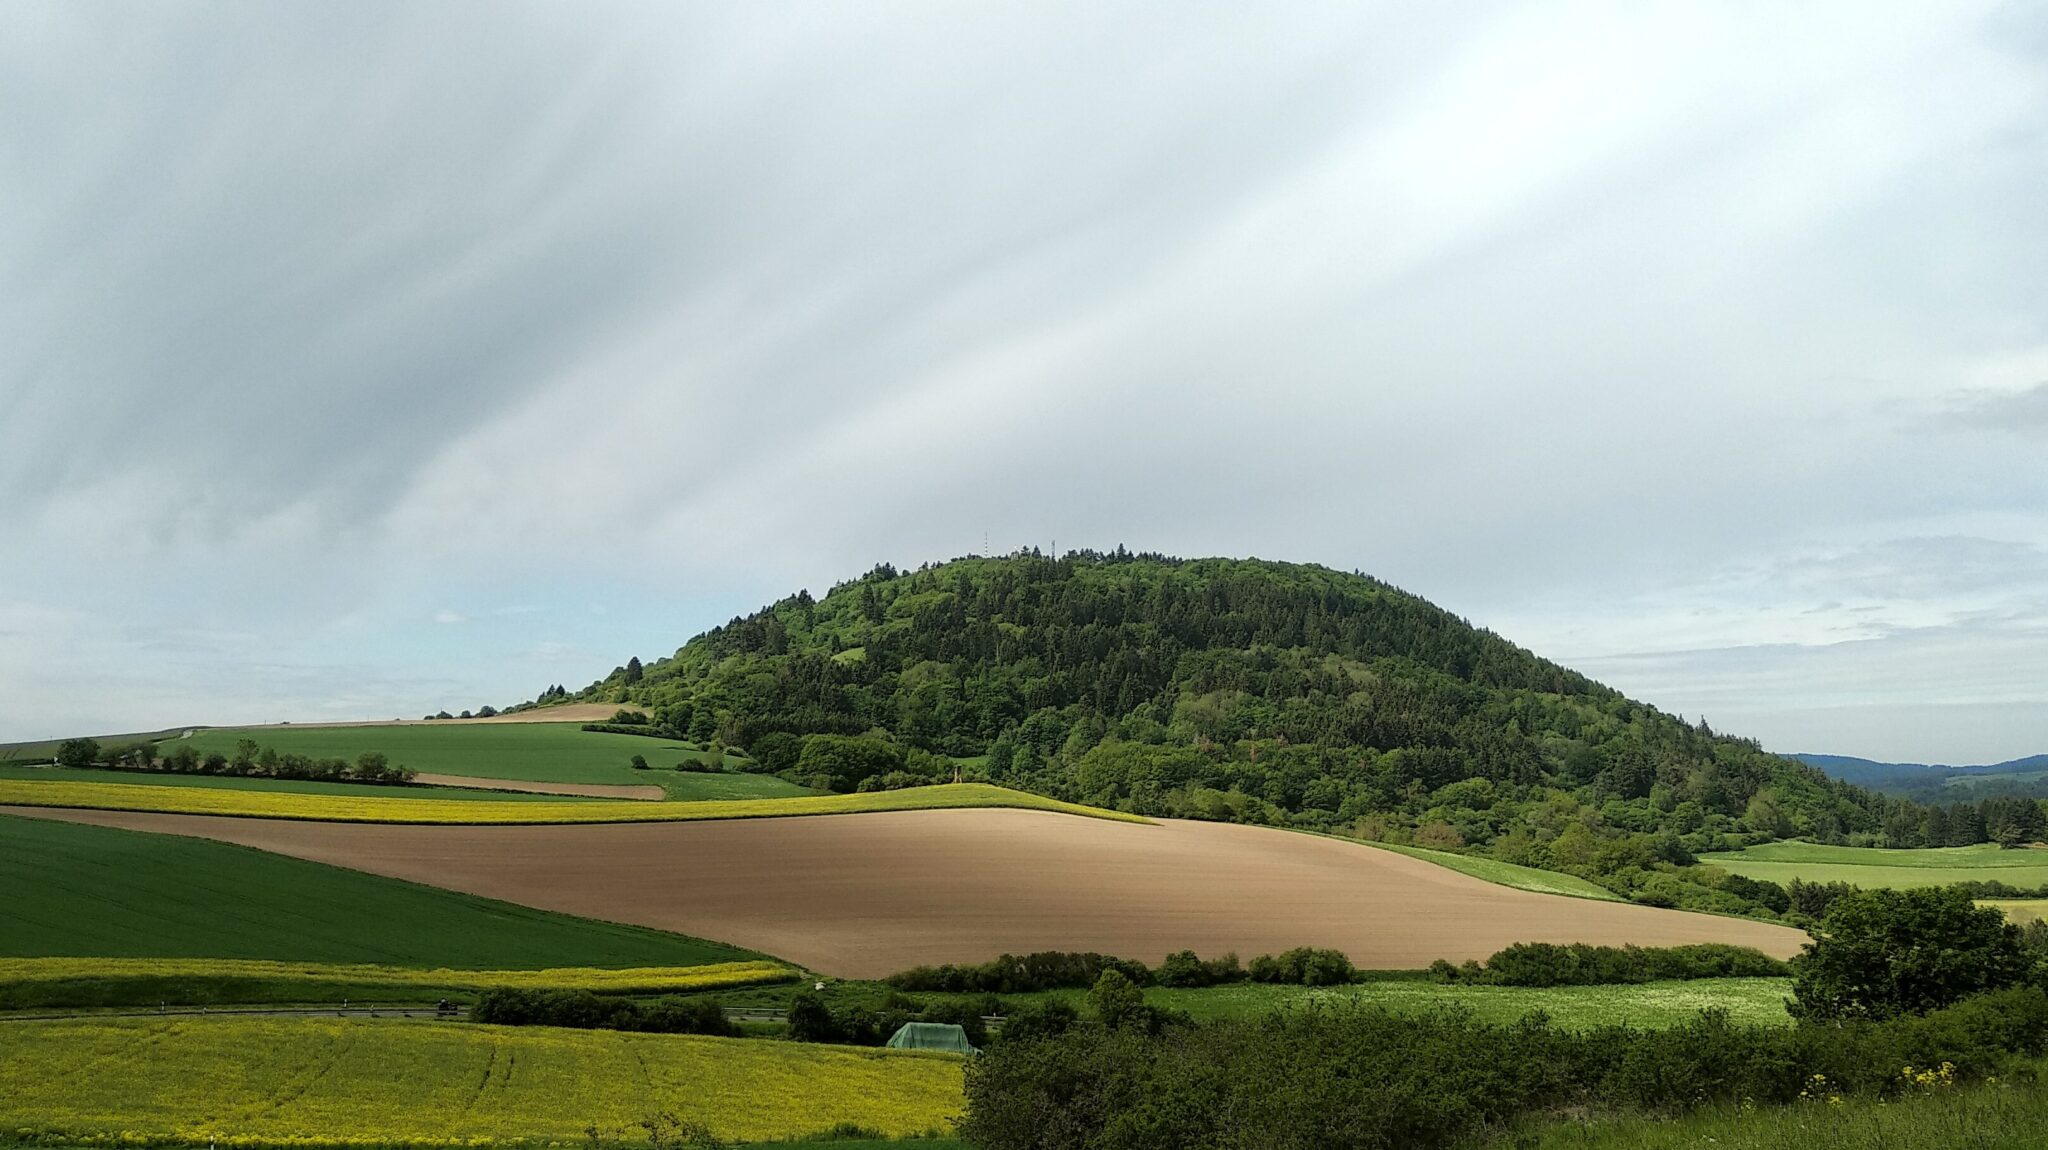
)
(1248, 691)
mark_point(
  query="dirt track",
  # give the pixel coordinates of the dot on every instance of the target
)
(864, 895)
(646, 791)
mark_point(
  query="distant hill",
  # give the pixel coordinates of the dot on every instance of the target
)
(1926, 782)
(1240, 690)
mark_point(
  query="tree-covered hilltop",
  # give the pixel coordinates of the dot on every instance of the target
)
(1242, 690)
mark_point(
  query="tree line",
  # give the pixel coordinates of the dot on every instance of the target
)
(249, 760)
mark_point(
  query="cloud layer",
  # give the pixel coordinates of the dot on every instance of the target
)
(375, 358)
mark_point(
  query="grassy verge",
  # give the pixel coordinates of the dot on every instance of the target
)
(383, 1082)
(1993, 1117)
(276, 786)
(1506, 874)
(1781, 862)
(77, 890)
(377, 809)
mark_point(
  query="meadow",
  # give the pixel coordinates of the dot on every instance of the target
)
(2020, 910)
(1781, 862)
(531, 752)
(2007, 1116)
(385, 808)
(47, 774)
(84, 891)
(381, 1082)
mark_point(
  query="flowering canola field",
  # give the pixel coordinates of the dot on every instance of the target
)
(372, 1082)
(378, 809)
(630, 980)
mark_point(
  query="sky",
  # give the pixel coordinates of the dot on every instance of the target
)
(364, 359)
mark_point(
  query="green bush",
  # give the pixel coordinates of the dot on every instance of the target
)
(1363, 1078)
(1881, 953)
(584, 1010)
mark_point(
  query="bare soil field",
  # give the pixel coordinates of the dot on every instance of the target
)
(646, 791)
(861, 896)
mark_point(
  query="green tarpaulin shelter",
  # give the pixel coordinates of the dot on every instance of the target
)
(931, 1036)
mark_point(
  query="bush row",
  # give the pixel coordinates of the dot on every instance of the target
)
(584, 1010)
(248, 761)
(1361, 1078)
(1549, 964)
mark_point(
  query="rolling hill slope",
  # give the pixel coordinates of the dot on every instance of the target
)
(1244, 691)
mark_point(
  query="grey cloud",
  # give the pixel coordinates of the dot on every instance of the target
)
(2022, 412)
(1582, 318)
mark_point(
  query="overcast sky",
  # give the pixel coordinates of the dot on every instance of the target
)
(361, 359)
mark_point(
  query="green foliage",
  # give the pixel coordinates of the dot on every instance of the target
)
(584, 1010)
(1303, 966)
(1375, 1080)
(1010, 974)
(1883, 953)
(77, 753)
(1115, 999)
(1549, 964)
(75, 890)
(1245, 691)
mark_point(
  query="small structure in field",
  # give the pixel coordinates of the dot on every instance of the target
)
(931, 1036)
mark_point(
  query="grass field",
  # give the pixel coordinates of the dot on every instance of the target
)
(380, 1082)
(1506, 874)
(384, 809)
(534, 752)
(281, 786)
(83, 891)
(1782, 862)
(1758, 1001)
(2020, 910)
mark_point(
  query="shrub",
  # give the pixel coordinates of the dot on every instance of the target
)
(639, 762)
(1009, 974)
(629, 718)
(1882, 953)
(1303, 966)
(1549, 964)
(1365, 1078)
(584, 1010)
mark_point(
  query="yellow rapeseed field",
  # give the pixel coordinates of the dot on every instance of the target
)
(632, 980)
(381, 809)
(391, 1082)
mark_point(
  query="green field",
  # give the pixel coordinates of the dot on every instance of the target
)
(1781, 862)
(1506, 874)
(1758, 1001)
(289, 786)
(530, 752)
(2020, 910)
(89, 891)
(386, 1082)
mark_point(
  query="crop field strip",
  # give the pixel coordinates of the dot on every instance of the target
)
(357, 1082)
(88, 891)
(627, 980)
(864, 897)
(49, 774)
(1782, 862)
(381, 809)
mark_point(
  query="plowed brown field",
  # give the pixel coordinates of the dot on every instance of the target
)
(864, 895)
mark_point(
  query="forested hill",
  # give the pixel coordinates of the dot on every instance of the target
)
(1236, 689)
